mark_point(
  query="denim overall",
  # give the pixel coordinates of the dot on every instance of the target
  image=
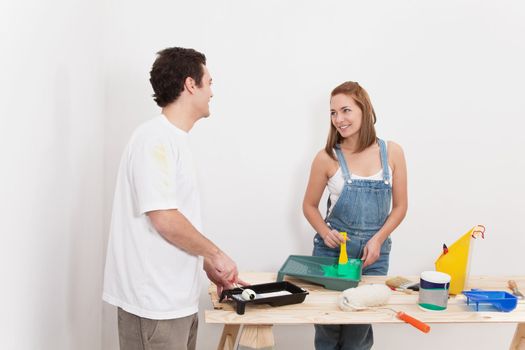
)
(361, 210)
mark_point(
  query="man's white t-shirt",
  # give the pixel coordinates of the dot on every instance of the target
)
(145, 274)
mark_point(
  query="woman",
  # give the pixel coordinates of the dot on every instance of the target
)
(364, 176)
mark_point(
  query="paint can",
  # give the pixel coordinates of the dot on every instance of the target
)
(433, 290)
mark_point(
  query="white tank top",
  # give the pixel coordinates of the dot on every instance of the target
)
(336, 183)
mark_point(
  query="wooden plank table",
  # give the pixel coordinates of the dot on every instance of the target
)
(320, 307)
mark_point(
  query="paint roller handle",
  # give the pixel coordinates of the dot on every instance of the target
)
(513, 286)
(422, 326)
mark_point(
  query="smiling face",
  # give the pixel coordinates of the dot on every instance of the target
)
(204, 94)
(346, 115)
(352, 118)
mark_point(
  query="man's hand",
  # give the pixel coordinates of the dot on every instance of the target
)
(222, 271)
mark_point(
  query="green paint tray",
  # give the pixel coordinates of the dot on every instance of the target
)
(321, 270)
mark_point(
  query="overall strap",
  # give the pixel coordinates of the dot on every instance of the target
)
(342, 163)
(384, 161)
(328, 206)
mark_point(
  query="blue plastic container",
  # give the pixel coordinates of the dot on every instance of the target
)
(500, 300)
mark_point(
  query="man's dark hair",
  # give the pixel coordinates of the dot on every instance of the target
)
(171, 68)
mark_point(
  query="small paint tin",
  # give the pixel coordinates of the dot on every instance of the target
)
(433, 291)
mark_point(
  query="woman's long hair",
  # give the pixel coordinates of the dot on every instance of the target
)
(367, 132)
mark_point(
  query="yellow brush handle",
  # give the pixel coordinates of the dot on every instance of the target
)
(343, 257)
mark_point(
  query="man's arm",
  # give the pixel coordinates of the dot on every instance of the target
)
(176, 229)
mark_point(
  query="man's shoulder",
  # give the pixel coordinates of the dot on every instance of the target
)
(152, 131)
(150, 126)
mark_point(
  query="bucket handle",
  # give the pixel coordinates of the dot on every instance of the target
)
(479, 230)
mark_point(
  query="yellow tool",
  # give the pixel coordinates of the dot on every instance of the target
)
(455, 260)
(343, 257)
(344, 268)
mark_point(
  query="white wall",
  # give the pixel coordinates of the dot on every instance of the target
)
(445, 79)
(51, 189)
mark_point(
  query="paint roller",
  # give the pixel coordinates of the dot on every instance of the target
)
(373, 297)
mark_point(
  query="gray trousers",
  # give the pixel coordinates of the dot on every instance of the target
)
(138, 333)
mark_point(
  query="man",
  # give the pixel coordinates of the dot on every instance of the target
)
(155, 249)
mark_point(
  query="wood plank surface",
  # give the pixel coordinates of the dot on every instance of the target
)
(518, 342)
(320, 306)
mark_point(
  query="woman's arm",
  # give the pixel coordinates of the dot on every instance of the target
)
(314, 191)
(399, 205)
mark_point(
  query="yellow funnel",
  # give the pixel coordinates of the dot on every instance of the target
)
(456, 261)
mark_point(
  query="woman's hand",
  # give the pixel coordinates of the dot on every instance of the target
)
(371, 252)
(333, 239)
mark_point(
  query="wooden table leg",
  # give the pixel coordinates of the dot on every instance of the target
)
(256, 337)
(229, 336)
(518, 342)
